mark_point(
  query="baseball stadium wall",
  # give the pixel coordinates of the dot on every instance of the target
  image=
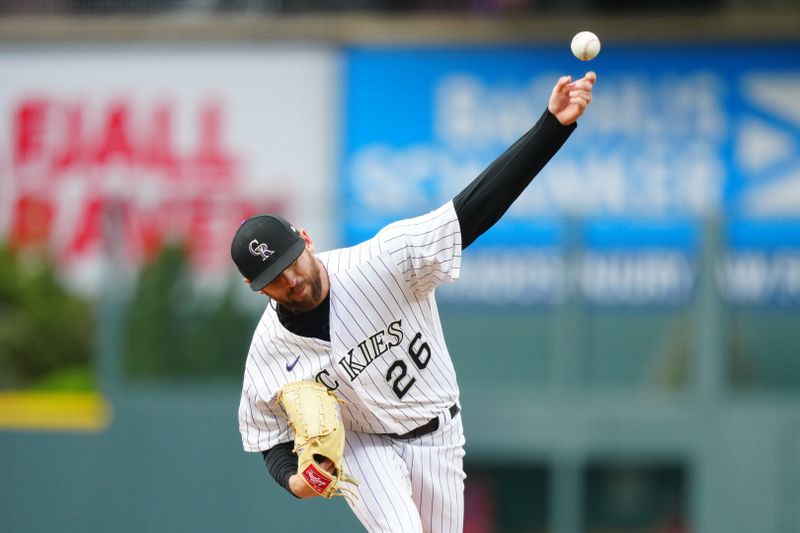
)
(626, 339)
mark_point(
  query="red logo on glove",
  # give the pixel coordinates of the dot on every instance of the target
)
(318, 481)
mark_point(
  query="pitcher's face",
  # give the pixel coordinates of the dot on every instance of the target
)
(299, 287)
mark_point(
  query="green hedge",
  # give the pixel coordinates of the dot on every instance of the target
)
(45, 331)
(175, 331)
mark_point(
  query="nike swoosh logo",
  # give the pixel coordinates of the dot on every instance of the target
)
(289, 366)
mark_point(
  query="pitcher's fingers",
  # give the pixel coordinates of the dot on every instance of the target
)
(562, 82)
(586, 95)
(580, 101)
(582, 84)
(327, 464)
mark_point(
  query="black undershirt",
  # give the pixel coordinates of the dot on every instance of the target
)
(314, 323)
(281, 463)
(477, 207)
(489, 196)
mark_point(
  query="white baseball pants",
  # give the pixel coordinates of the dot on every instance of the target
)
(409, 486)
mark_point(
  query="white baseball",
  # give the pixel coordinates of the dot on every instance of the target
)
(585, 45)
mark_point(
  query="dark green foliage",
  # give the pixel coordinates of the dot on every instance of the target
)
(44, 329)
(173, 332)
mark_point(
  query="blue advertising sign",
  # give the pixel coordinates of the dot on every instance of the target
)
(675, 135)
(762, 263)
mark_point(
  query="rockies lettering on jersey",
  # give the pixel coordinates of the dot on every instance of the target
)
(370, 348)
(387, 358)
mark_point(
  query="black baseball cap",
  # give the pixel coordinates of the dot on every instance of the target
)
(263, 247)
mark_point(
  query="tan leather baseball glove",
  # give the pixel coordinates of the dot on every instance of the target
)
(314, 416)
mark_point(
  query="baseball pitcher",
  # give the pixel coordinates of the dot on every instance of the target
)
(349, 388)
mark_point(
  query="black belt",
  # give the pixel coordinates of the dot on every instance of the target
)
(424, 429)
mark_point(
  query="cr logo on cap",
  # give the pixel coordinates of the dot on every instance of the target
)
(260, 249)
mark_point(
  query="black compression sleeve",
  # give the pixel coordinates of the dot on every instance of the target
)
(281, 463)
(489, 196)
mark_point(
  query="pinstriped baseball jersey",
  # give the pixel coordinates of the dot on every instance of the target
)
(387, 356)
